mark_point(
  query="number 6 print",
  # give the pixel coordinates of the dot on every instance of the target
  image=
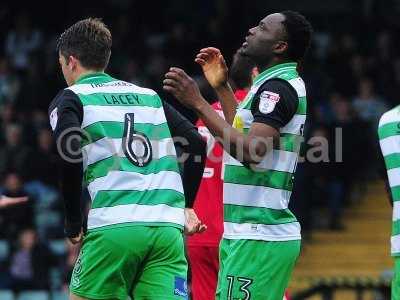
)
(136, 145)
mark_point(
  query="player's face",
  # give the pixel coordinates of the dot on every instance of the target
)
(66, 69)
(266, 39)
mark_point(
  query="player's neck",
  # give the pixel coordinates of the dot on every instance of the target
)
(272, 63)
(85, 72)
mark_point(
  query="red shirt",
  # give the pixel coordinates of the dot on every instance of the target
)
(209, 200)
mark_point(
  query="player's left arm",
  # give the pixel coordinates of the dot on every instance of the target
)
(275, 104)
(187, 137)
(248, 148)
(66, 113)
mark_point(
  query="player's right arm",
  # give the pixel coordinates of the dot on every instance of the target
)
(216, 72)
(66, 114)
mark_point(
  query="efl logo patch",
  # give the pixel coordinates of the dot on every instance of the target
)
(181, 287)
(268, 100)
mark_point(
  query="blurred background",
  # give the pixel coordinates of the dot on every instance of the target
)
(352, 74)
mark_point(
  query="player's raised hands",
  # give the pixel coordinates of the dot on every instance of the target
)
(183, 87)
(214, 67)
(9, 201)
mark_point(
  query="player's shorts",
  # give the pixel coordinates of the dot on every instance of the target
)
(255, 270)
(142, 262)
(396, 279)
(204, 265)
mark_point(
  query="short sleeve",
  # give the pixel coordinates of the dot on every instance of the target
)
(275, 103)
(65, 111)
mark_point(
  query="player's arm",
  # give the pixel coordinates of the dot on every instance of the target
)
(286, 102)
(11, 201)
(66, 113)
(194, 151)
(248, 148)
(216, 72)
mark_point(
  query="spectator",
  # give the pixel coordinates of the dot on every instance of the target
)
(316, 178)
(12, 219)
(9, 84)
(6, 118)
(43, 181)
(32, 94)
(368, 105)
(21, 42)
(15, 155)
(30, 263)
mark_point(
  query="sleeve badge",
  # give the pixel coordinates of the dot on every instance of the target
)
(268, 100)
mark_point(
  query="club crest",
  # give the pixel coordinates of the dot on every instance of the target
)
(268, 100)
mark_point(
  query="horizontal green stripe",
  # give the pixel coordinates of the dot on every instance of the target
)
(257, 215)
(148, 197)
(395, 193)
(302, 107)
(396, 227)
(390, 129)
(120, 99)
(273, 179)
(392, 161)
(115, 130)
(116, 163)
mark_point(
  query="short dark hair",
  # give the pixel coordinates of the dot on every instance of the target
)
(299, 32)
(240, 71)
(90, 41)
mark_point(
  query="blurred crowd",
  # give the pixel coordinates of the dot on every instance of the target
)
(350, 82)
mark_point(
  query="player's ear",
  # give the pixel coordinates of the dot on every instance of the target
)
(280, 47)
(72, 62)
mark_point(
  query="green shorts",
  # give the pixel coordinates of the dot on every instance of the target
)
(140, 261)
(255, 270)
(396, 279)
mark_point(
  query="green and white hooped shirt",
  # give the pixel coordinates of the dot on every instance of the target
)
(256, 200)
(389, 140)
(129, 159)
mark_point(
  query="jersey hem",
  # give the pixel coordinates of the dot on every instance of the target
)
(261, 237)
(130, 224)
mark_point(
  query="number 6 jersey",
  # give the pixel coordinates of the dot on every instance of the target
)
(124, 148)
